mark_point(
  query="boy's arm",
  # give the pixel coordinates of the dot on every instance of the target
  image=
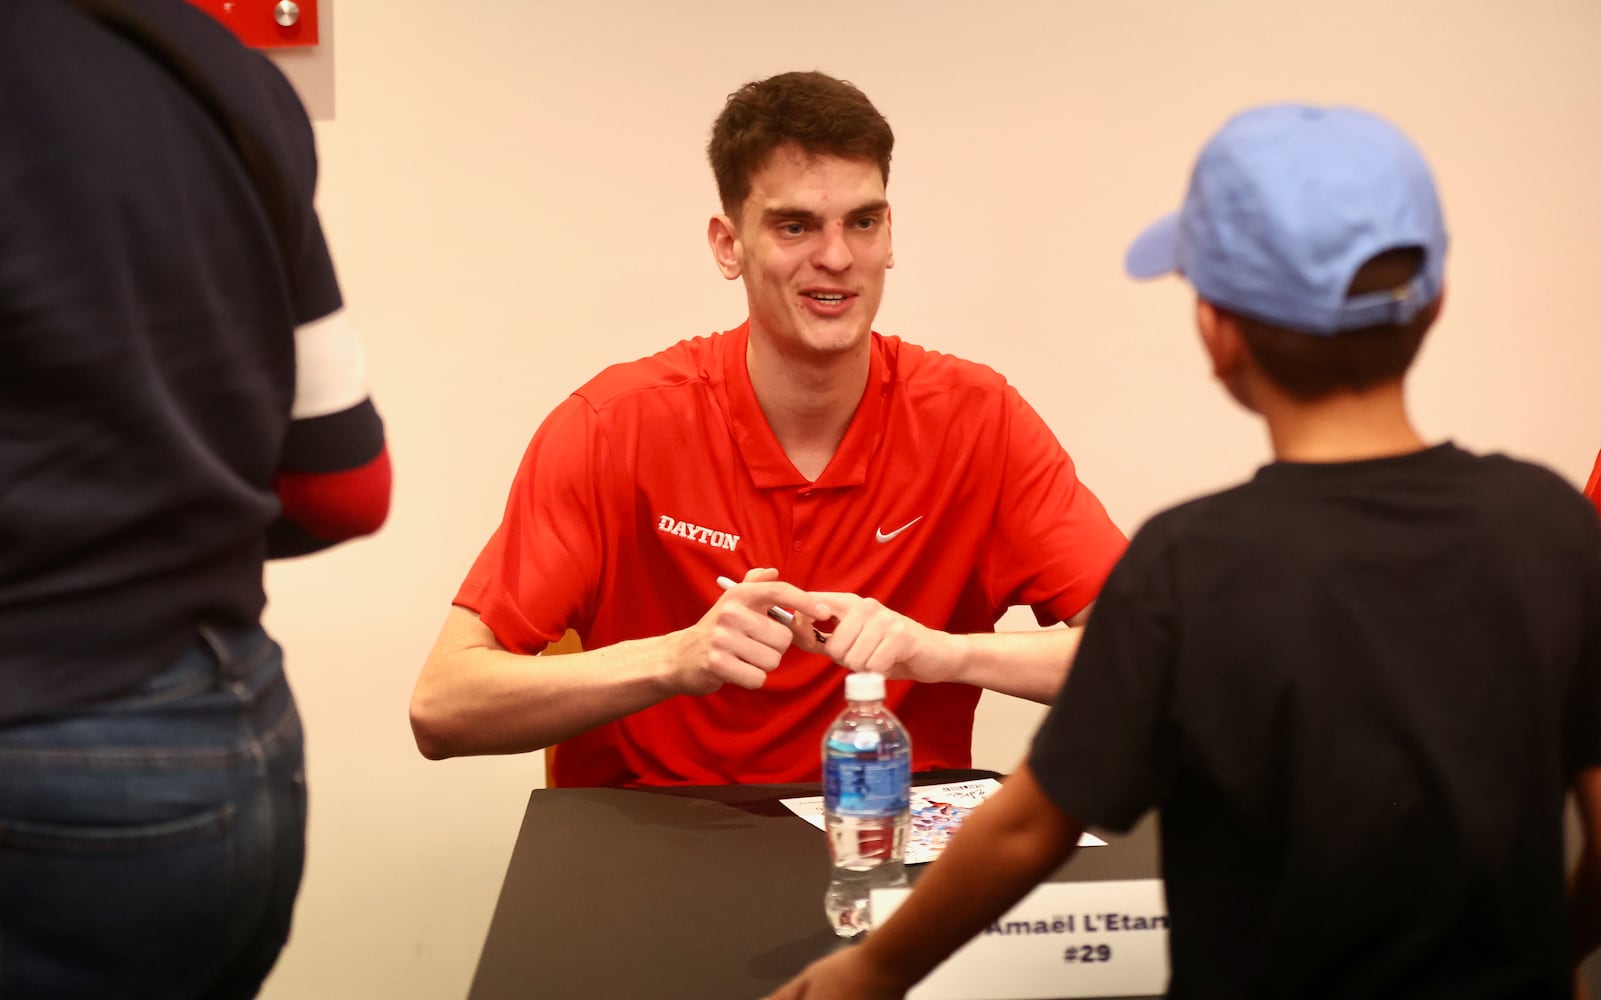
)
(1584, 888)
(1003, 850)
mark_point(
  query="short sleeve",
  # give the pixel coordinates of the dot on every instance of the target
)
(316, 288)
(1054, 543)
(538, 574)
(1104, 753)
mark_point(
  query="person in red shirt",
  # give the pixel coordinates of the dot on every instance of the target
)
(898, 498)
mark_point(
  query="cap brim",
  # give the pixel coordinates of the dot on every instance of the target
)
(1155, 251)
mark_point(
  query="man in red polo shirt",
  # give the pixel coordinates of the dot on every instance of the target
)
(900, 498)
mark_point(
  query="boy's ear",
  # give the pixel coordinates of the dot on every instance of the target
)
(1221, 336)
(1225, 346)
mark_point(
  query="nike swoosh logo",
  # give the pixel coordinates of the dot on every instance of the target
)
(884, 536)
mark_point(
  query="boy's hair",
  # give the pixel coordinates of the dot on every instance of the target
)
(1309, 367)
(818, 113)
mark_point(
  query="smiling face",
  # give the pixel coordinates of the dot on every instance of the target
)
(812, 242)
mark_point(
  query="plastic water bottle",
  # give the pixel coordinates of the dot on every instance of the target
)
(867, 784)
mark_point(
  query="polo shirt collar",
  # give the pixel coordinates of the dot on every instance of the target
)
(769, 467)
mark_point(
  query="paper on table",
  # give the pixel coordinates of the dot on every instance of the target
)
(937, 811)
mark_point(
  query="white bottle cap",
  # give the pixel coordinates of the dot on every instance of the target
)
(865, 686)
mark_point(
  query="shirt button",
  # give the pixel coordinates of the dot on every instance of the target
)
(797, 546)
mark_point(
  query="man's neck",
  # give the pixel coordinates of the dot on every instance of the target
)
(808, 402)
(1343, 427)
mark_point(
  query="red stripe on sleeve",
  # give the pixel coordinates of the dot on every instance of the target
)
(334, 506)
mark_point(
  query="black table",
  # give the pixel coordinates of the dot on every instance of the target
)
(692, 893)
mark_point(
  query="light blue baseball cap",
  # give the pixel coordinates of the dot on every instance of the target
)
(1286, 203)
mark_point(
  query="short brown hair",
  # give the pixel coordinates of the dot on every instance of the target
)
(812, 110)
(1309, 366)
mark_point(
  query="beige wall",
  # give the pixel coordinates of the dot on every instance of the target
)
(516, 196)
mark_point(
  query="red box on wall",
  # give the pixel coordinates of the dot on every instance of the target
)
(266, 24)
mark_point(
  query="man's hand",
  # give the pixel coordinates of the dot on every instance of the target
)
(736, 642)
(868, 636)
(844, 975)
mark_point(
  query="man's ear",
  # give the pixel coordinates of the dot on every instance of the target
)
(723, 237)
(889, 233)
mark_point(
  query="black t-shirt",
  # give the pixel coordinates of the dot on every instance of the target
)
(1358, 694)
(147, 361)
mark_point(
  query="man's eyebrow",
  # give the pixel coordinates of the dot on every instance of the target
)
(786, 213)
(870, 208)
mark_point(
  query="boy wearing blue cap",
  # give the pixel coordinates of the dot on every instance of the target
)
(1358, 686)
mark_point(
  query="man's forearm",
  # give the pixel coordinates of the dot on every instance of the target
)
(490, 701)
(1029, 665)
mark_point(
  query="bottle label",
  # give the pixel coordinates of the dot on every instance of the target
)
(867, 787)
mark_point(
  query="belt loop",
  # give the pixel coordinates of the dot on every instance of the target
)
(238, 651)
(219, 648)
(232, 663)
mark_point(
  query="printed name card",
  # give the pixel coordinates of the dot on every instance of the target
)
(1064, 939)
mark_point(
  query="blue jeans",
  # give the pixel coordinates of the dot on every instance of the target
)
(152, 846)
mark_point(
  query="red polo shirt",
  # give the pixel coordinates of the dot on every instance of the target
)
(949, 500)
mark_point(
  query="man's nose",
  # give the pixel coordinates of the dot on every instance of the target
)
(833, 249)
